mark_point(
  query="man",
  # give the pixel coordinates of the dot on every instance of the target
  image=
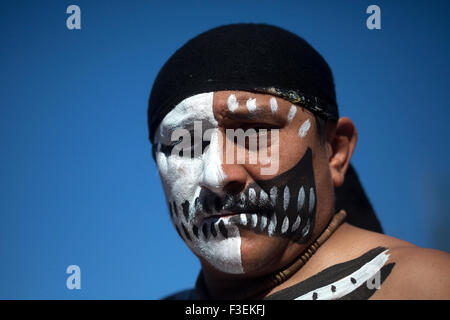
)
(249, 145)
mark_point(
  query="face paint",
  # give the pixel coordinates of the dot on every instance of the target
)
(215, 238)
(304, 128)
(273, 105)
(232, 103)
(207, 218)
(251, 105)
(291, 207)
(292, 112)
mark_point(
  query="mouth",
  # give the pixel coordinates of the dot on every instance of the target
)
(221, 215)
(243, 219)
(284, 206)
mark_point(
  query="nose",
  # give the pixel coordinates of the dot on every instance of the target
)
(236, 178)
(219, 177)
(224, 178)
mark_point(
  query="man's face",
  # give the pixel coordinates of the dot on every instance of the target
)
(246, 179)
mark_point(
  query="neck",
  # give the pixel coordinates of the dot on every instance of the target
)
(213, 285)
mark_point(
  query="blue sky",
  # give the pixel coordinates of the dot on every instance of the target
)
(77, 181)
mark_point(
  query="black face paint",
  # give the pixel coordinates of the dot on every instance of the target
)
(284, 206)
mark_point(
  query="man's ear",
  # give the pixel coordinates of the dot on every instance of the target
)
(342, 141)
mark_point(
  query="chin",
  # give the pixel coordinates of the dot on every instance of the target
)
(261, 253)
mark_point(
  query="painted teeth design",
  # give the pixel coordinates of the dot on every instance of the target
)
(263, 197)
(228, 202)
(273, 195)
(205, 230)
(222, 229)
(198, 205)
(213, 230)
(185, 206)
(272, 224)
(296, 224)
(171, 210)
(263, 222)
(254, 220)
(242, 201)
(300, 199)
(292, 204)
(305, 229)
(286, 197)
(186, 233)
(243, 218)
(175, 210)
(276, 224)
(195, 231)
(312, 199)
(252, 195)
(285, 225)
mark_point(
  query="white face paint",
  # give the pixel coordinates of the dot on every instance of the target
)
(304, 128)
(251, 105)
(232, 103)
(217, 240)
(273, 105)
(292, 112)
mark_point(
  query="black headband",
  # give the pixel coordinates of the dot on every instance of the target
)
(245, 57)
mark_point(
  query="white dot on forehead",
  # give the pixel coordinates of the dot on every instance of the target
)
(232, 103)
(292, 112)
(304, 128)
(273, 105)
(251, 105)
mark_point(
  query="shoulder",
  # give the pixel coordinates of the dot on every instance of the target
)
(417, 273)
